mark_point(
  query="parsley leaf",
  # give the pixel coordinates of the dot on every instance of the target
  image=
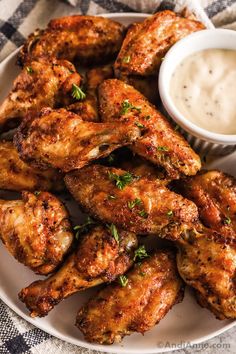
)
(114, 232)
(162, 148)
(170, 213)
(77, 93)
(110, 196)
(227, 220)
(126, 106)
(121, 180)
(140, 253)
(37, 193)
(126, 59)
(133, 203)
(143, 214)
(29, 70)
(84, 227)
(123, 280)
(139, 125)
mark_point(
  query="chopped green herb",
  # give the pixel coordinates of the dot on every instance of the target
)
(114, 232)
(111, 158)
(170, 213)
(84, 227)
(123, 280)
(227, 220)
(147, 117)
(77, 93)
(140, 253)
(133, 203)
(177, 127)
(143, 214)
(29, 70)
(111, 197)
(121, 180)
(139, 125)
(37, 193)
(126, 59)
(126, 106)
(162, 148)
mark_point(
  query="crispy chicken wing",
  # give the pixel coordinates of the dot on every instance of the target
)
(98, 258)
(149, 291)
(16, 175)
(88, 39)
(136, 204)
(61, 139)
(43, 83)
(147, 43)
(207, 261)
(214, 192)
(36, 230)
(160, 143)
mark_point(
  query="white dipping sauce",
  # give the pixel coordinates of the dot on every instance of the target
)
(203, 88)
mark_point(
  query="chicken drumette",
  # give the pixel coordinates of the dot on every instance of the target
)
(143, 298)
(16, 175)
(160, 143)
(61, 139)
(139, 205)
(99, 258)
(88, 39)
(42, 83)
(36, 230)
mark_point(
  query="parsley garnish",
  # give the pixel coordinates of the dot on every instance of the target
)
(126, 106)
(139, 125)
(133, 203)
(143, 214)
(227, 220)
(37, 193)
(114, 232)
(111, 197)
(121, 180)
(84, 227)
(111, 158)
(123, 280)
(126, 59)
(169, 213)
(147, 117)
(162, 148)
(140, 253)
(29, 70)
(77, 93)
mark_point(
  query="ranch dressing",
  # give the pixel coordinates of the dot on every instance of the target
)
(203, 88)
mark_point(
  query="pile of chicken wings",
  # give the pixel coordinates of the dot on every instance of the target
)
(99, 134)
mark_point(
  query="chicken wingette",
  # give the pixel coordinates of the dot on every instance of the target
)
(143, 297)
(136, 204)
(98, 258)
(160, 143)
(16, 175)
(146, 43)
(41, 84)
(61, 139)
(36, 230)
(86, 39)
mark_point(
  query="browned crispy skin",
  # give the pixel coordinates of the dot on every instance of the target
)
(159, 211)
(153, 288)
(42, 83)
(147, 43)
(88, 108)
(147, 85)
(98, 258)
(88, 39)
(61, 139)
(214, 192)
(160, 142)
(207, 261)
(16, 175)
(36, 230)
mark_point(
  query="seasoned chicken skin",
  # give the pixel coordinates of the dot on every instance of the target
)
(214, 192)
(61, 139)
(160, 142)
(147, 43)
(83, 38)
(98, 258)
(207, 261)
(42, 83)
(151, 289)
(36, 230)
(16, 175)
(136, 204)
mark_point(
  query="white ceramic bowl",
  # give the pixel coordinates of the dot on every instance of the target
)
(202, 140)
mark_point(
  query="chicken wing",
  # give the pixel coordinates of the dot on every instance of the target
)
(36, 230)
(160, 142)
(43, 83)
(206, 261)
(147, 43)
(61, 139)
(214, 192)
(16, 175)
(136, 204)
(149, 291)
(98, 258)
(88, 39)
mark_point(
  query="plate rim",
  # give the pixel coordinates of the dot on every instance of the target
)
(84, 344)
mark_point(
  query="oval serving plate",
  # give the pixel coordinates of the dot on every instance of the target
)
(186, 324)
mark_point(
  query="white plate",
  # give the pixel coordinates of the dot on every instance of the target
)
(187, 323)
